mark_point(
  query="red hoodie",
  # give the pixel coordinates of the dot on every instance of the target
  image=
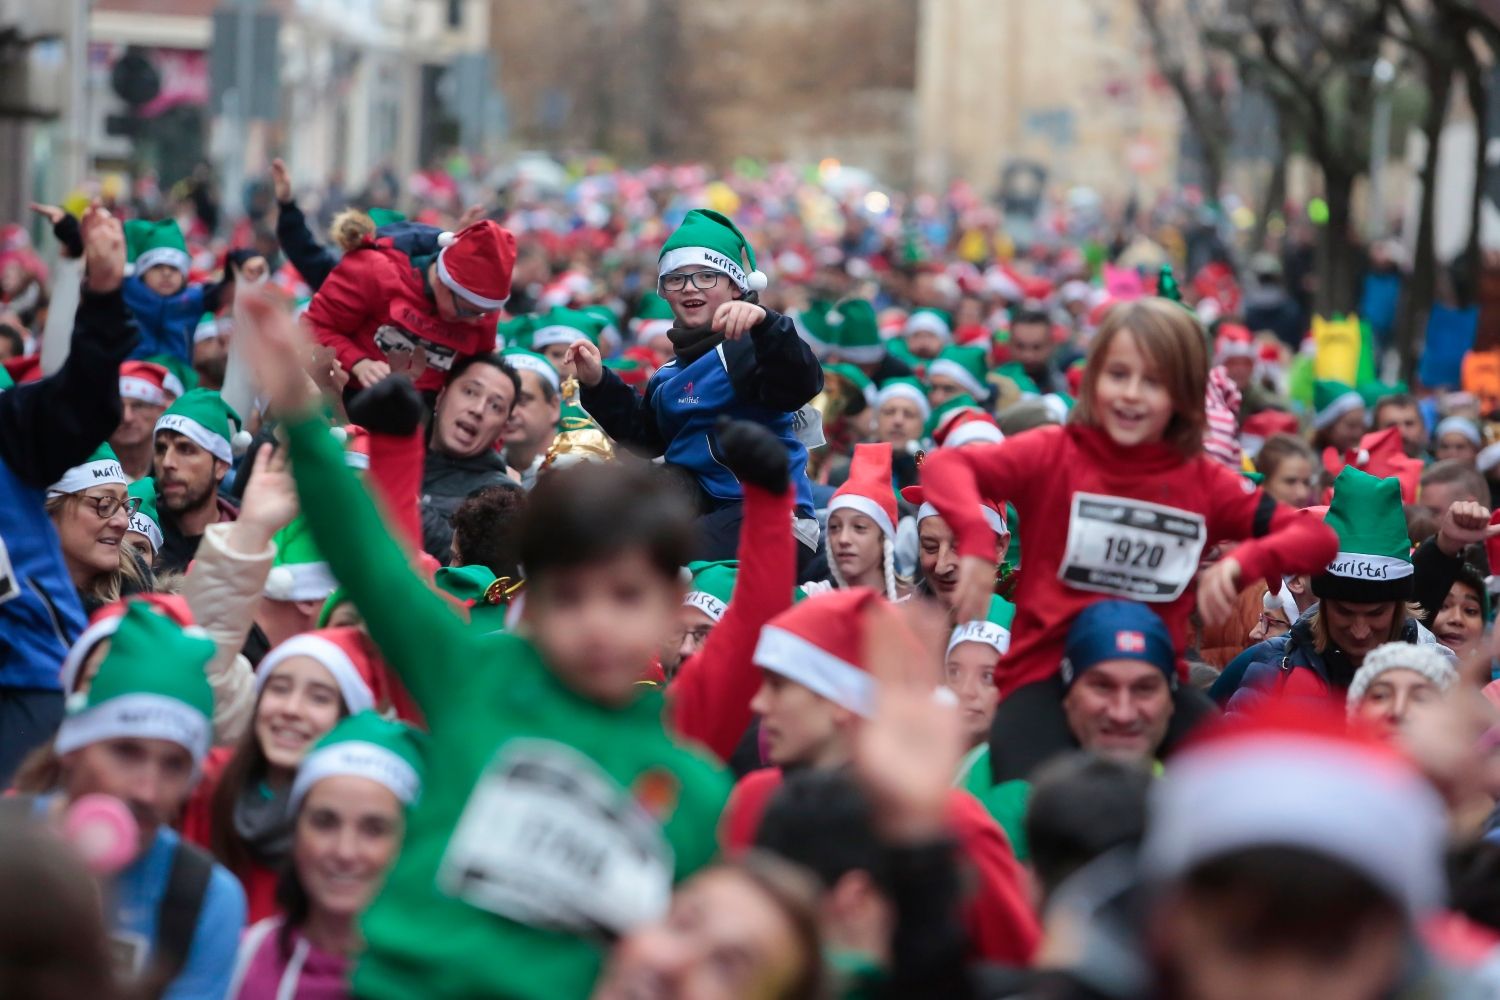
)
(1148, 548)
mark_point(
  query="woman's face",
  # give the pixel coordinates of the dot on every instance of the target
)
(1272, 623)
(1460, 622)
(854, 543)
(1345, 432)
(1395, 696)
(90, 543)
(970, 674)
(348, 832)
(1457, 447)
(1292, 482)
(299, 703)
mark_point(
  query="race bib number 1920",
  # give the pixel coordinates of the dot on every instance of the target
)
(548, 839)
(1132, 549)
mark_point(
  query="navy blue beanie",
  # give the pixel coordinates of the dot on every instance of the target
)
(1118, 630)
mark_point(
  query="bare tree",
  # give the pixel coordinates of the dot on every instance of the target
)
(1199, 77)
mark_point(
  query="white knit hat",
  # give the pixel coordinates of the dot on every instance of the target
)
(1432, 661)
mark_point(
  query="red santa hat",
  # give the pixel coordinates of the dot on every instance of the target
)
(347, 654)
(149, 383)
(103, 625)
(892, 322)
(1268, 422)
(1234, 341)
(868, 489)
(356, 442)
(994, 514)
(1383, 455)
(966, 425)
(819, 643)
(476, 262)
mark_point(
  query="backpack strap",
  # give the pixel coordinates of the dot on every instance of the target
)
(181, 903)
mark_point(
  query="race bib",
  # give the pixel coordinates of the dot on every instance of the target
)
(1130, 548)
(10, 587)
(807, 424)
(549, 839)
(392, 338)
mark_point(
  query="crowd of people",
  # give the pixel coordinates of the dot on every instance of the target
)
(729, 587)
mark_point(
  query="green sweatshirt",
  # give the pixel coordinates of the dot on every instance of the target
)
(1006, 802)
(545, 822)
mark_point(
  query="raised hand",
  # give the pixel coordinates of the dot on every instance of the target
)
(270, 498)
(587, 362)
(281, 181)
(1218, 586)
(103, 250)
(64, 227)
(735, 319)
(1464, 523)
(368, 371)
(273, 347)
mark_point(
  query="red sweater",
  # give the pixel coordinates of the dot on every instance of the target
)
(1043, 470)
(374, 299)
(710, 697)
(1001, 924)
(258, 880)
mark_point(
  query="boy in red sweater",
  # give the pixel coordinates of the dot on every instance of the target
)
(1122, 502)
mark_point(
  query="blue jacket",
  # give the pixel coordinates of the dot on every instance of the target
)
(46, 428)
(167, 322)
(766, 377)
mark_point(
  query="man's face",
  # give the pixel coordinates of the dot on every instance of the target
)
(1358, 628)
(1120, 708)
(472, 411)
(924, 343)
(938, 556)
(186, 475)
(1456, 447)
(533, 420)
(152, 778)
(210, 360)
(136, 424)
(1436, 498)
(687, 636)
(1031, 345)
(798, 726)
(899, 422)
(941, 388)
(1409, 420)
(600, 624)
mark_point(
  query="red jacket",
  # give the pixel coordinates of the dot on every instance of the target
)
(375, 300)
(1001, 924)
(258, 880)
(710, 696)
(1043, 470)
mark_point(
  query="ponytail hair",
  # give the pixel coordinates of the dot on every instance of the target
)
(350, 229)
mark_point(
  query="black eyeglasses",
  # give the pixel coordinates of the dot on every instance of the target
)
(106, 507)
(700, 280)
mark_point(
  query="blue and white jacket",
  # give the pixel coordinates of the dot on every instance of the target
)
(766, 377)
(46, 428)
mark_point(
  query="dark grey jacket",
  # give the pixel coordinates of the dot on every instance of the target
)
(445, 483)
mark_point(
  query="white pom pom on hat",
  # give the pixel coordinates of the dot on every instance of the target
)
(339, 434)
(446, 239)
(756, 281)
(240, 443)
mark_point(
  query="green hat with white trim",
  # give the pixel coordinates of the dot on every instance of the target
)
(1332, 400)
(487, 596)
(856, 332)
(907, 388)
(950, 410)
(653, 317)
(202, 416)
(929, 320)
(559, 325)
(851, 374)
(712, 586)
(151, 685)
(151, 243)
(365, 745)
(709, 239)
(521, 359)
(992, 630)
(145, 521)
(812, 326)
(99, 469)
(1374, 561)
(298, 570)
(968, 366)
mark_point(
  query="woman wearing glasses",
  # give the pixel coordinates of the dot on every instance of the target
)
(91, 509)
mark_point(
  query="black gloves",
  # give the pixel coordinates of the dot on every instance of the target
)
(69, 235)
(391, 406)
(753, 454)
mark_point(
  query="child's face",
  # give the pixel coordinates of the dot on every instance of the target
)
(694, 307)
(598, 625)
(1130, 401)
(163, 279)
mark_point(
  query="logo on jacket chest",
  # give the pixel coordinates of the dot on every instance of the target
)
(689, 397)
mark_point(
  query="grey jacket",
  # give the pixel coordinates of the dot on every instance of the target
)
(445, 483)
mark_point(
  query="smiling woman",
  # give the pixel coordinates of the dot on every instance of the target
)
(91, 512)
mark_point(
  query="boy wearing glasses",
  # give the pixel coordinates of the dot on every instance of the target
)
(732, 357)
(379, 301)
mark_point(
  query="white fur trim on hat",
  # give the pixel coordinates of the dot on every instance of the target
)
(997, 637)
(974, 432)
(172, 257)
(356, 693)
(81, 477)
(141, 717)
(1458, 425)
(958, 373)
(869, 354)
(359, 759)
(1488, 457)
(705, 602)
(143, 525)
(1426, 659)
(142, 389)
(1361, 566)
(816, 669)
(216, 445)
(869, 508)
(687, 256)
(992, 517)
(472, 298)
(927, 322)
(300, 581)
(72, 664)
(540, 367)
(1347, 403)
(557, 333)
(906, 391)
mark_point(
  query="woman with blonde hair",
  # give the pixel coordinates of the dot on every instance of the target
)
(91, 511)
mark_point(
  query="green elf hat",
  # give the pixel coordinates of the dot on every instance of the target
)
(907, 388)
(6, 382)
(99, 469)
(298, 572)
(968, 366)
(953, 409)
(178, 371)
(151, 243)
(858, 379)
(1373, 392)
(609, 330)
(653, 317)
(559, 325)
(202, 416)
(709, 239)
(813, 327)
(1374, 561)
(145, 520)
(711, 587)
(365, 745)
(1332, 400)
(477, 588)
(151, 685)
(929, 320)
(385, 216)
(521, 359)
(993, 630)
(856, 332)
